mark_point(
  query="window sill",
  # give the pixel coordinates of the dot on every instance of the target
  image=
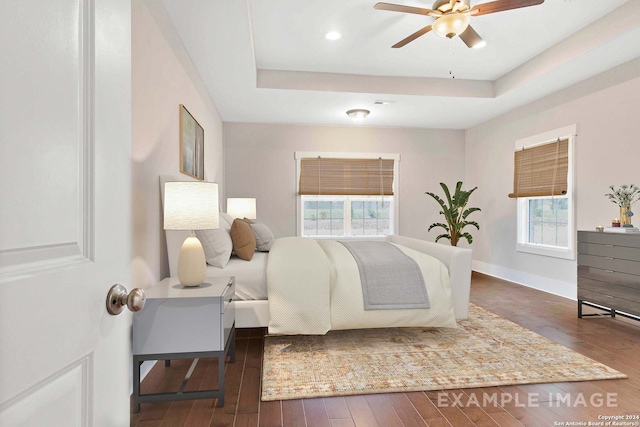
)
(550, 251)
(381, 238)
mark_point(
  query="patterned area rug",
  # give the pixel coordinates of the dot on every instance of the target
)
(486, 350)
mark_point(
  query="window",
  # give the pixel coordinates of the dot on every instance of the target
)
(346, 194)
(543, 185)
(548, 221)
(347, 215)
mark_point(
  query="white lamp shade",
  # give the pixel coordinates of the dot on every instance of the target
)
(241, 208)
(191, 206)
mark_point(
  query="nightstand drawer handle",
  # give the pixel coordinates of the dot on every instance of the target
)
(117, 298)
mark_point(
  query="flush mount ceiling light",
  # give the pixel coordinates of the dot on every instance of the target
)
(358, 115)
(332, 35)
(452, 17)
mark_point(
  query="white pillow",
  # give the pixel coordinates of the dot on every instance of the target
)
(217, 244)
(228, 220)
(264, 237)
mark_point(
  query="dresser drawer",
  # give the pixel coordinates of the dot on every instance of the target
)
(609, 276)
(609, 290)
(612, 264)
(609, 301)
(609, 251)
(628, 240)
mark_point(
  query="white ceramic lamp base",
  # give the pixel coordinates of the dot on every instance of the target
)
(192, 265)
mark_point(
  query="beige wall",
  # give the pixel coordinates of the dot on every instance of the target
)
(605, 110)
(259, 162)
(162, 78)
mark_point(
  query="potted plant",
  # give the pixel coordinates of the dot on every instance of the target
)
(455, 214)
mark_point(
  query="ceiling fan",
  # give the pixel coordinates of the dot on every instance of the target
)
(452, 18)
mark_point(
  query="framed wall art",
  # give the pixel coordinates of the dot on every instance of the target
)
(191, 145)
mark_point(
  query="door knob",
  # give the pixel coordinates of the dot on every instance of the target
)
(118, 297)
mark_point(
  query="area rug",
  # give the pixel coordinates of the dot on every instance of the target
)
(485, 350)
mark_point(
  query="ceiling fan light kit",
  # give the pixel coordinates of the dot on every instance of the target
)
(452, 18)
(450, 25)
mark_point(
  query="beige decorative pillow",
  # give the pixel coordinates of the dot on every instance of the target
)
(244, 241)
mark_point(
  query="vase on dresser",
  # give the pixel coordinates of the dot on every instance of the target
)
(625, 215)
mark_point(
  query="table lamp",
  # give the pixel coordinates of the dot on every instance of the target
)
(191, 206)
(241, 208)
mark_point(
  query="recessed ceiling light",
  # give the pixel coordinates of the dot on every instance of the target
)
(332, 35)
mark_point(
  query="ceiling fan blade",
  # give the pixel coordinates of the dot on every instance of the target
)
(471, 38)
(502, 5)
(406, 9)
(412, 37)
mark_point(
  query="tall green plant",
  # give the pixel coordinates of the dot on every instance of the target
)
(454, 213)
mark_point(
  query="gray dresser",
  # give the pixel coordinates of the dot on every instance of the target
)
(609, 271)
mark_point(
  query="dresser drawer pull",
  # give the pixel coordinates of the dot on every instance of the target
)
(608, 296)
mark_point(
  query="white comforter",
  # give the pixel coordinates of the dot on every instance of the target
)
(314, 286)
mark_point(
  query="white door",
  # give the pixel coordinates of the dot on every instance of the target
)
(65, 137)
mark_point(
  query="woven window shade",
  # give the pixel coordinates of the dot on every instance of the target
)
(346, 177)
(541, 170)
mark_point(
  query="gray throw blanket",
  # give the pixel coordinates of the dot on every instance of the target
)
(390, 278)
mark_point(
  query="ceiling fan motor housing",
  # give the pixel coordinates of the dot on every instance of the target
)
(444, 6)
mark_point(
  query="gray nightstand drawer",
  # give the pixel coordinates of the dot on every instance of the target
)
(229, 309)
(185, 320)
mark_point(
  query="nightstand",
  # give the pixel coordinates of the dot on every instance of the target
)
(180, 322)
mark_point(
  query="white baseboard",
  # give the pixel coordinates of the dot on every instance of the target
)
(546, 284)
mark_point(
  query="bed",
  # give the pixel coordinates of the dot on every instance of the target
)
(252, 307)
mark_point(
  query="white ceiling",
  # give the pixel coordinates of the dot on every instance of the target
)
(267, 61)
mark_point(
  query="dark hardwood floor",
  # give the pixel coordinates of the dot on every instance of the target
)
(615, 342)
